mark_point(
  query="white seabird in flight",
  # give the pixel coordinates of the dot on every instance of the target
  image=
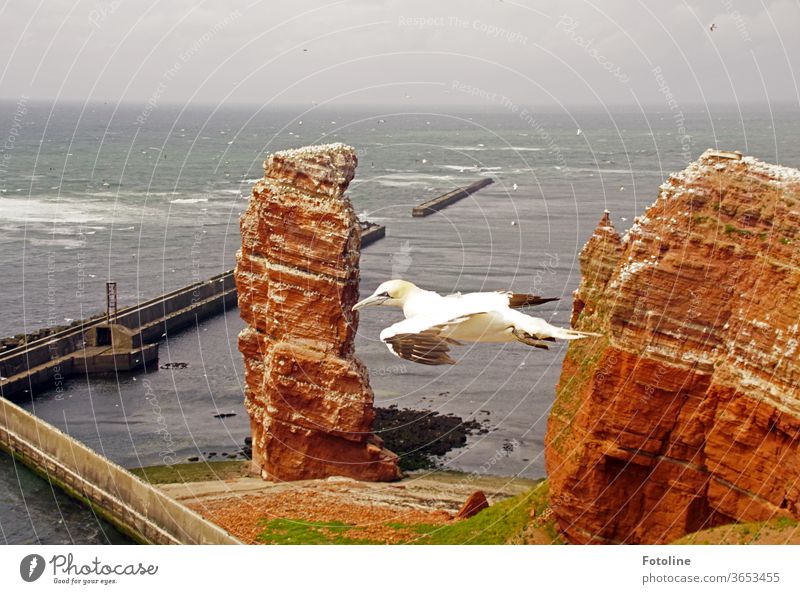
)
(434, 322)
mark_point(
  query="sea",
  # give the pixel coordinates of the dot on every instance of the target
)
(150, 197)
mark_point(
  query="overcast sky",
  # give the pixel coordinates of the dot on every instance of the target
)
(402, 51)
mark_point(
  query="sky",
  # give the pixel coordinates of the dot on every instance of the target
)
(395, 52)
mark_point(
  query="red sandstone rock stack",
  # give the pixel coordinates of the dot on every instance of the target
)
(686, 413)
(297, 274)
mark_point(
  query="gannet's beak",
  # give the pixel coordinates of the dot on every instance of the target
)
(371, 300)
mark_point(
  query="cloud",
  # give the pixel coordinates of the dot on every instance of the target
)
(400, 51)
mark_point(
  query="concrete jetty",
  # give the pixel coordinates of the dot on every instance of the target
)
(125, 342)
(371, 232)
(437, 204)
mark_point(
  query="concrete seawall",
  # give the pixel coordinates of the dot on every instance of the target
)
(445, 200)
(44, 363)
(133, 506)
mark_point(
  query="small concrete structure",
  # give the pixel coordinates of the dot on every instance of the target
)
(113, 347)
(371, 232)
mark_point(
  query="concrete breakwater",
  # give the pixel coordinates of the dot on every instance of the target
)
(127, 341)
(136, 508)
(437, 204)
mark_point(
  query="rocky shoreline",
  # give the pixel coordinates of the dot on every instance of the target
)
(418, 437)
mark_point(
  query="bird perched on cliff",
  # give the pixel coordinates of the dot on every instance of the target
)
(435, 322)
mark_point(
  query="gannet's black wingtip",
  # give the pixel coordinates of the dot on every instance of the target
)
(519, 300)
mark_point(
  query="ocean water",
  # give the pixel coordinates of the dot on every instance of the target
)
(34, 512)
(88, 194)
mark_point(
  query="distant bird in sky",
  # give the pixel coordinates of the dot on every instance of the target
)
(713, 27)
(434, 322)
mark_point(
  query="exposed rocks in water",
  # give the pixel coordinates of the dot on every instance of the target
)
(18, 340)
(176, 365)
(297, 275)
(508, 446)
(419, 436)
(685, 414)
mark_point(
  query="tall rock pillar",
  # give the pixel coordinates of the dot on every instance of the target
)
(297, 275)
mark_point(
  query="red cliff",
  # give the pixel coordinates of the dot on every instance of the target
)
(297, 275)
(685, 414)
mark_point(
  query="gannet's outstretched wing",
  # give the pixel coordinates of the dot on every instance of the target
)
(503, 299)
(423, 339)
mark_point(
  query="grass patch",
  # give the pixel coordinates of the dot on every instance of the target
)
(782, 523)
(304, 532)
(730, 230)
(192, 472)
(782, 530)
(505, 522)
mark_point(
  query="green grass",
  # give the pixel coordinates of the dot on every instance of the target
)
(782, 523)
(501, 523)
(192, 472)
(283, 531)
(778, 529)
(505, 522)
(730, 229)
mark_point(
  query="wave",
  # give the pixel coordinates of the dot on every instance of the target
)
(401, 184)
(188, 200)
(31, 210)
(521, 149)
(397, 180)
(601, 170)
(471, 168)
(63, 242)
(461, 168)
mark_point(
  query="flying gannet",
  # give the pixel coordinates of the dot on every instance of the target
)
(434, 322)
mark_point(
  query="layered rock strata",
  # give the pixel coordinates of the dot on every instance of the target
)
(685, 414)
(297, 275)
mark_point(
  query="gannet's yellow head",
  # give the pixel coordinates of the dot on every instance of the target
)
(393, 292)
